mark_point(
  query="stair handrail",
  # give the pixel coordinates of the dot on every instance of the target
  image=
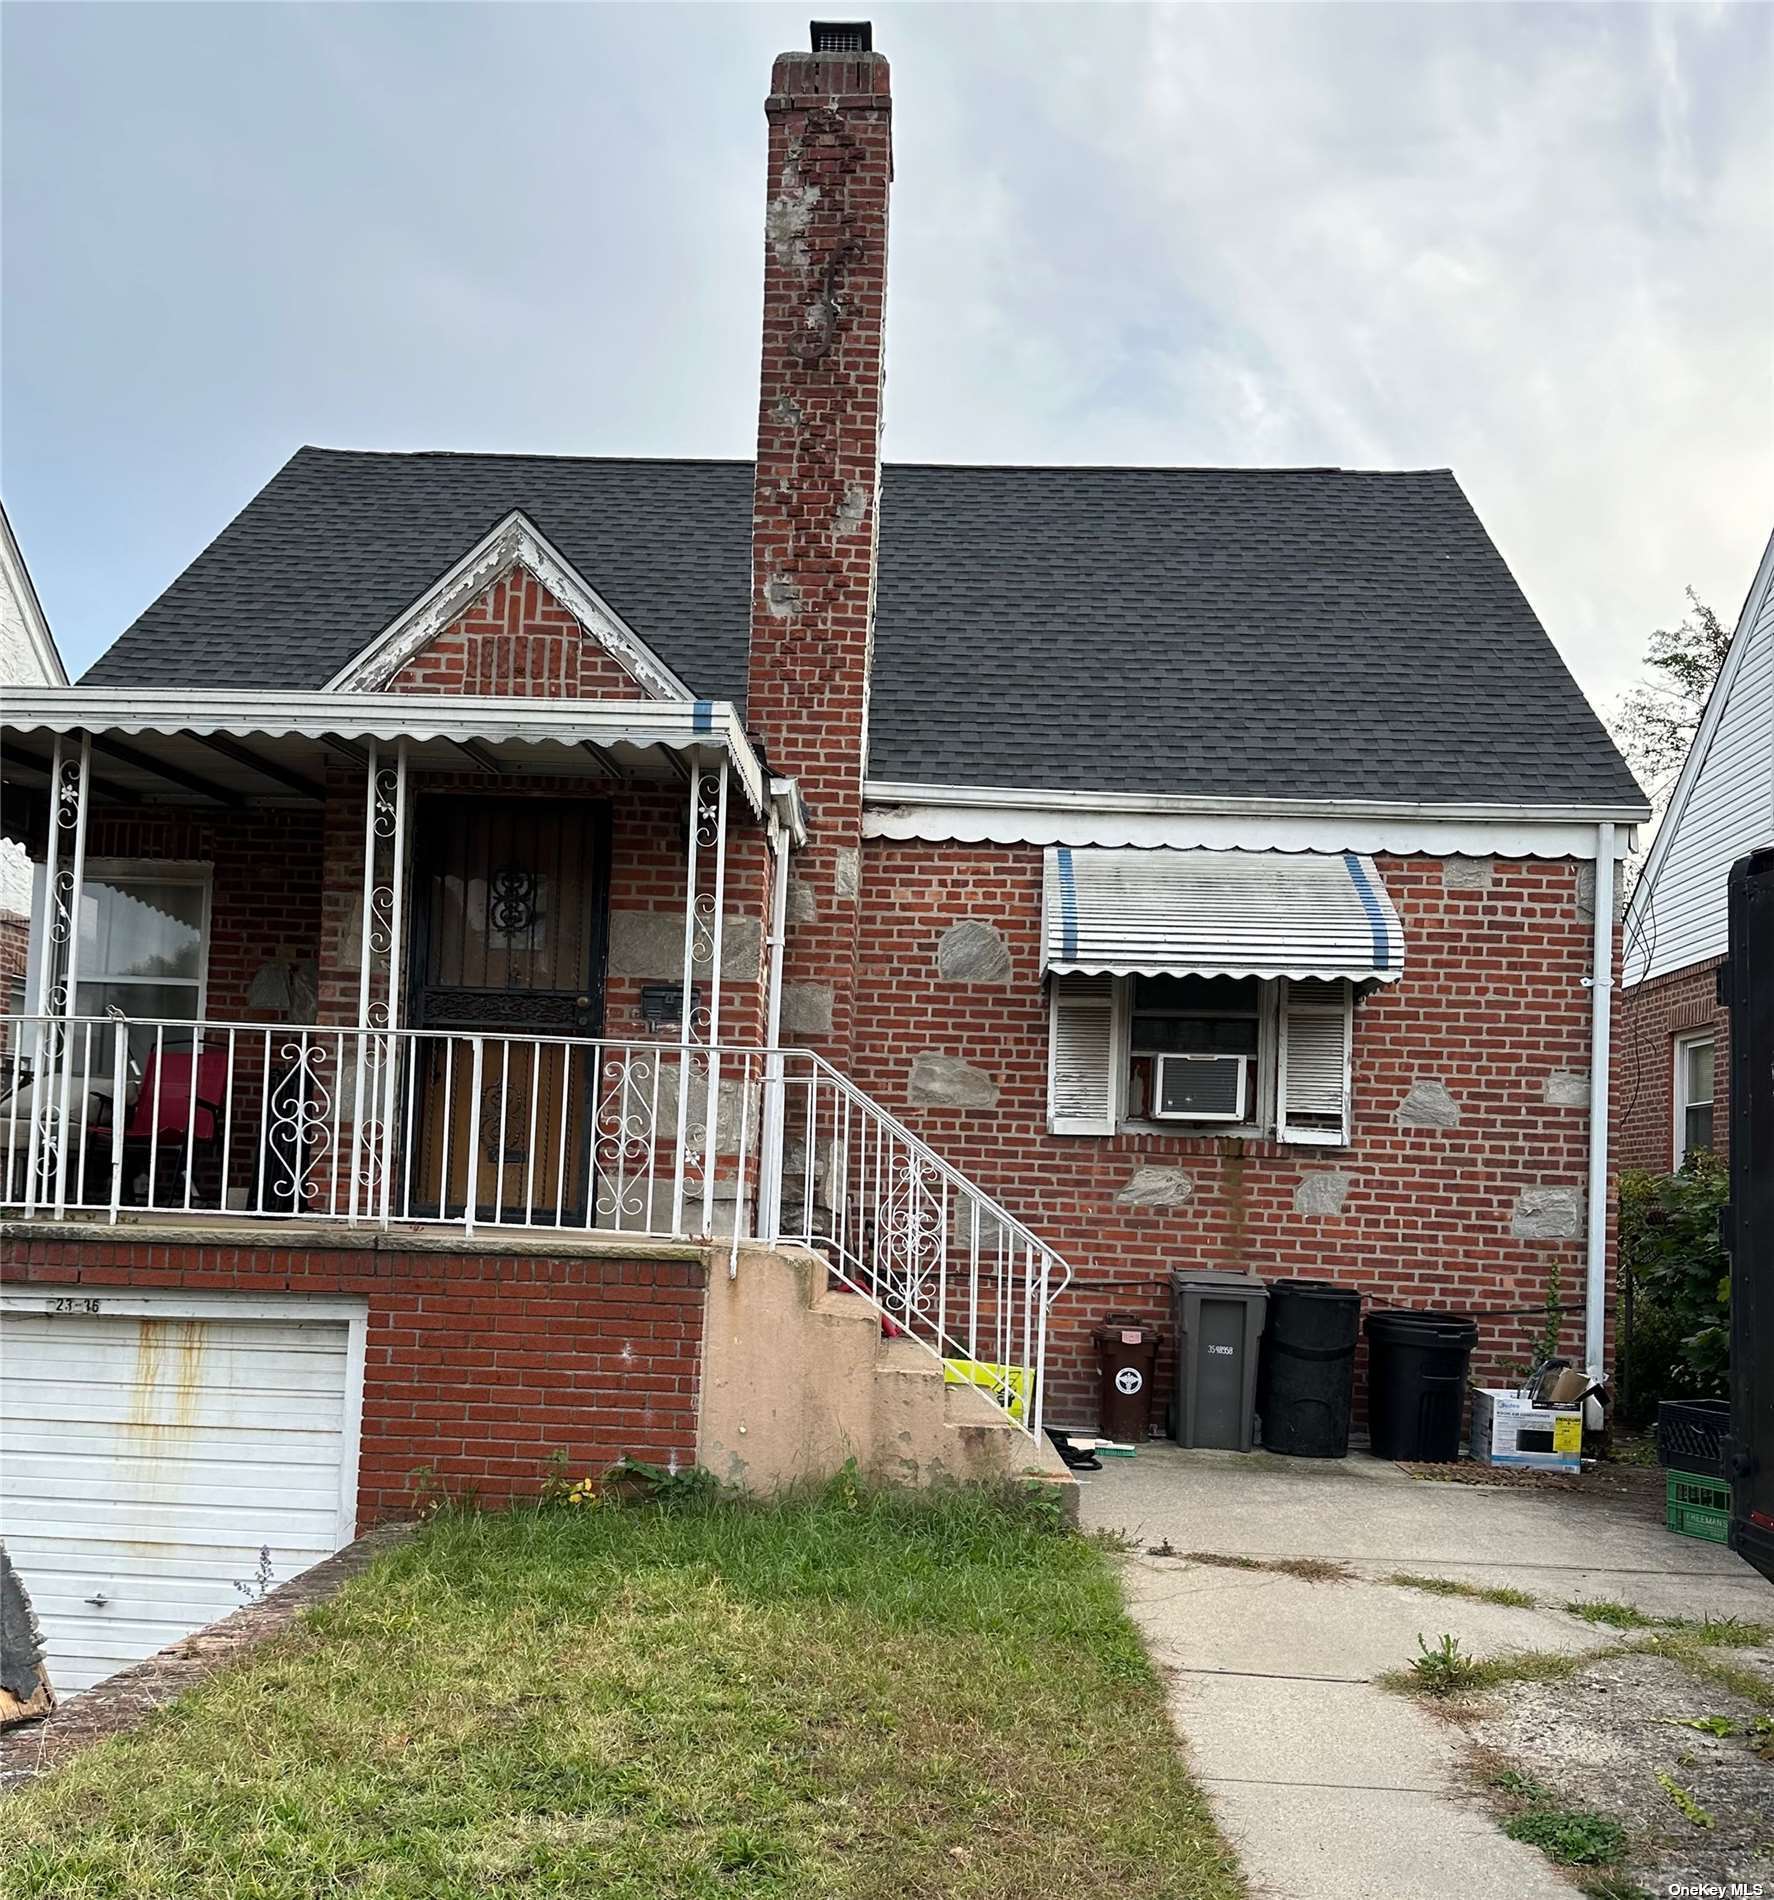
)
(931, 1158)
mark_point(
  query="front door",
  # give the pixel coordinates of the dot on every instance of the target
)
(510, 904)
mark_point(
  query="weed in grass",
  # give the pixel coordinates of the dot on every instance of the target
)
(1612, 1886)
(1689, 1807)
(1574, 1837)
(1444, 1670)
(1716, 1725)
(1307, 1569)
(1475, 1592)
(1704, 1666)
(1311, 1569)
(1710, 1632)
(1722, 1632)
(1520, 1787)
(1447, 1670)
(259, 1586)
(1616, 1616)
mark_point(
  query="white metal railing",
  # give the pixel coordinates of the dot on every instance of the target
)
(666, 1139)
(947, 1265)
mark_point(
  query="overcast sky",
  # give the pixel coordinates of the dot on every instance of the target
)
(1535, 244)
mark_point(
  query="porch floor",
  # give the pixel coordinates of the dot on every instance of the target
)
(207, 1228)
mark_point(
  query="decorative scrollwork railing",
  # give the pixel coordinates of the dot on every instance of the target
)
(660, 1138)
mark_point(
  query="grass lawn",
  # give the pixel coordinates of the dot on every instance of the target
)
(853, 1694)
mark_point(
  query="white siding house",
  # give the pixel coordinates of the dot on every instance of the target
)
(28, 657)
(1723, 806)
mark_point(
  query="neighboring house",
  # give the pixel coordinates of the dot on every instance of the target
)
(512, 873)
(28, 657)
(1676, 1039)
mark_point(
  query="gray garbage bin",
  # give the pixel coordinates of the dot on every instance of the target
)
(1219, 1319)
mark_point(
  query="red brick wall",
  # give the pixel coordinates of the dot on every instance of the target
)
(478, 1365)
(1491, 1004)
(1652, 1015)
(15, 947)
(817, 486)
(517, 639)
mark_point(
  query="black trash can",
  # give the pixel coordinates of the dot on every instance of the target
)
(1416, 1384)
(1306, 1382)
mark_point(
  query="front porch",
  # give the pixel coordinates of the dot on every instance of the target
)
(490, 968)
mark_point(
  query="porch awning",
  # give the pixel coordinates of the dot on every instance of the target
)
(1219, 913)
(239, 748)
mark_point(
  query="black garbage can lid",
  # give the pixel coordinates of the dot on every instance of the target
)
(1314, 1290)
(1217, 1277)
(1405, 1323)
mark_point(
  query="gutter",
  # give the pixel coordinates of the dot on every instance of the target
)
(1601, 988)
(878, 792)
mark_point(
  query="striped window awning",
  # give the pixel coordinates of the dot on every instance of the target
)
(1219, 913)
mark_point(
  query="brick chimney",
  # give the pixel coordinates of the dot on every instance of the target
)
(817, 488)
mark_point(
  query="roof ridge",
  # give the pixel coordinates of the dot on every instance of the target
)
(960, 468)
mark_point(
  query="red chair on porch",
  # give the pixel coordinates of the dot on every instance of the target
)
(169, 1114)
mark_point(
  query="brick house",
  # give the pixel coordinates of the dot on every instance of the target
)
(575, 942)
(1675, 1082)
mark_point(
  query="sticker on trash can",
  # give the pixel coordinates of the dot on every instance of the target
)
(1129, 1380)
(1130, 1337)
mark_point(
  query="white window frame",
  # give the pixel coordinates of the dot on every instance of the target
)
(1684, 1044)
(125, 871)
(1262, 1110)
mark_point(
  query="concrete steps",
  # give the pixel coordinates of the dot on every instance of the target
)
(798, 1380)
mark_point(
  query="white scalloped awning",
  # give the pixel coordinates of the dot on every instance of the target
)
(136, 730)
(1219, 913)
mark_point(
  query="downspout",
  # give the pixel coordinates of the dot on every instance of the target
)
(1601, 999)
(770, 1143)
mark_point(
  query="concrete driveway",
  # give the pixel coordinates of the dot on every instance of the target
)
(1330, 1787)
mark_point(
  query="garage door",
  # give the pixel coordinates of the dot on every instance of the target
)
(152, 1448)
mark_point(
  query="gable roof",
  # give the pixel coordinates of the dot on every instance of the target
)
(28, 652)
(1304, 633)
(1721, 808)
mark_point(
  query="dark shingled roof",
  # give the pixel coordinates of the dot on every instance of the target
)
(1300, 633)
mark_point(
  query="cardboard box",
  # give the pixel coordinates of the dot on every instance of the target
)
(1510, 1430)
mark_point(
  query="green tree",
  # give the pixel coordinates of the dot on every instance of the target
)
(1656, 721)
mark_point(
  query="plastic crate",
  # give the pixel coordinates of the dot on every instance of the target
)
(1698, 1507)
(1691, 1435)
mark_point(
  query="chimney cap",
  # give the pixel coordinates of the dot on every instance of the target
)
(842, 36)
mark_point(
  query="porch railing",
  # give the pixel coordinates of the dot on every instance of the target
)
(664, 1139)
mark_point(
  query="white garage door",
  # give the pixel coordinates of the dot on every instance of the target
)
(152, 1447)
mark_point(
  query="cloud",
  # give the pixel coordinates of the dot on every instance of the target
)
(1532, 243)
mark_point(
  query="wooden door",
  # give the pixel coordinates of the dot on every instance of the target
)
(511, 903)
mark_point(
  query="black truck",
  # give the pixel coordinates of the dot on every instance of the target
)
(1746, 988)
